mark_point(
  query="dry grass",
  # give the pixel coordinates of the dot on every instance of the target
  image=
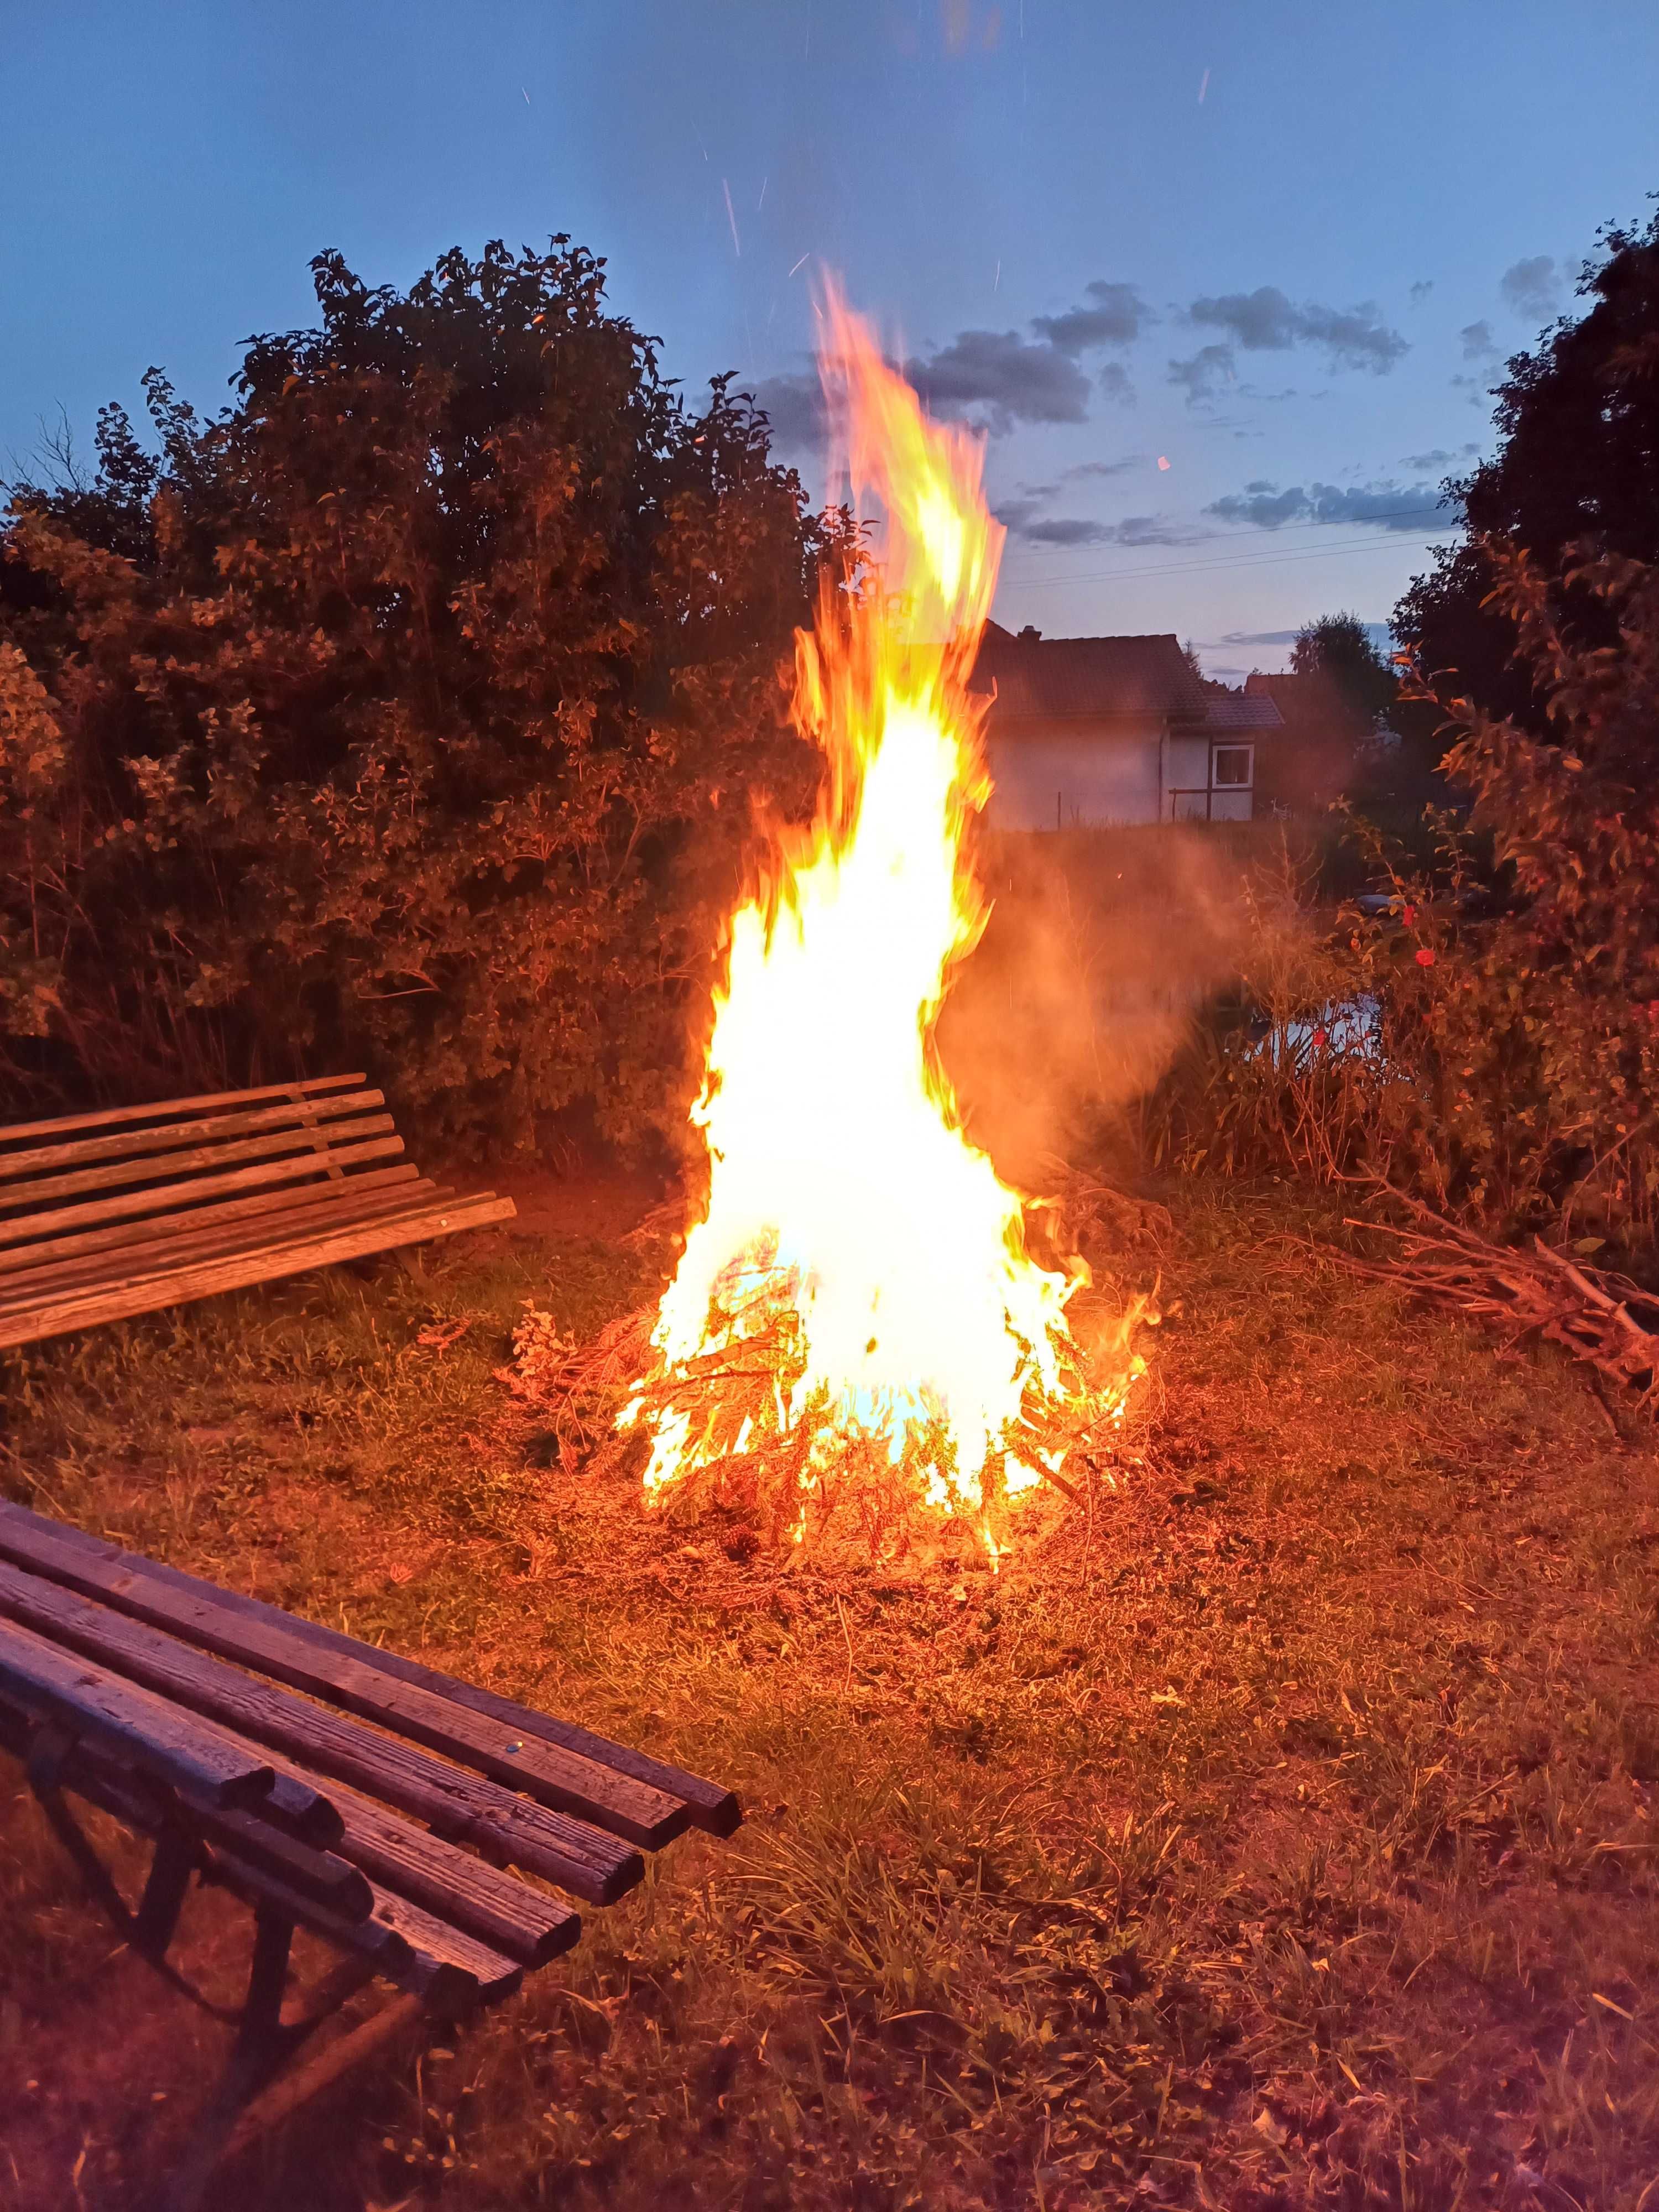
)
(1274, 1832)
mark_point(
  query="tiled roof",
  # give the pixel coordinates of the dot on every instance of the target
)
(1056, 677)
(1230, 711)
(1305, 703)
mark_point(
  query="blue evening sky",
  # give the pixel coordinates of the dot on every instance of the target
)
(1312, 227)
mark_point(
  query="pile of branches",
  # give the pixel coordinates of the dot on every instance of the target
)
(600, 1403)
(1597, 1315)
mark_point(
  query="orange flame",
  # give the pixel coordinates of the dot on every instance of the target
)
(843, 1189)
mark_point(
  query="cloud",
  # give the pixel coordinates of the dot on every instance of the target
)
(1421, 290)
(1154, 530)
(1081, 471)
(1065, 530)
(1114, 382)
(1022, 519)
(1532, 287)
(997, 379)
(1117, 317)
(1266, 321)
(993, 378)
(1478, 344)
(1263, 506)
(1260, 321)
(1407, 508)
(793, 407)
(1380, 632)
(1437, 457)
(1206, 374)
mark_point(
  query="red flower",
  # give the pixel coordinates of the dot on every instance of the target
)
(1319, 1040)
(1425, 957)
(1409, 915)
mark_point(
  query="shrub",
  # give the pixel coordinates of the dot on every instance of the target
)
(406, 714)
(1502, 1065)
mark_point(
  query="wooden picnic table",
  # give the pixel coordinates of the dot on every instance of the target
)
(419, 1824)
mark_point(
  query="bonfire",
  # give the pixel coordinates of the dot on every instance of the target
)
(859, 1317)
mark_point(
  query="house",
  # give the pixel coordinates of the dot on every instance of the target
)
(1086, 732)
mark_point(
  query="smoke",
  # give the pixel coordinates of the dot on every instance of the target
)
(1101, 947)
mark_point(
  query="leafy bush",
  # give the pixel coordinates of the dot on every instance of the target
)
(1504, 1064)
(405, 714)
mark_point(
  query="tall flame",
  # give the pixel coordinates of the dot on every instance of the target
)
(843, 1194)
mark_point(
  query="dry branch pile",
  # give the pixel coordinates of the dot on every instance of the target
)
(1598, 1316)
(790, 1478)
(791, 1470)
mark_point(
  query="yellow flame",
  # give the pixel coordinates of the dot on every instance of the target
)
(841, 1186)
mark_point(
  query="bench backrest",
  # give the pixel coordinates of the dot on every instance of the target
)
(91, 1182)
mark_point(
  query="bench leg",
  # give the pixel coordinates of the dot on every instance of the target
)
(264, 2043)
(154, 1924)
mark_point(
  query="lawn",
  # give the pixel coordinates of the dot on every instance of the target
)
(1274, 1830)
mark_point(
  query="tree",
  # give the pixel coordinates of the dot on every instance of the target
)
(1577, 460)
(409, 710)
(1336, 652)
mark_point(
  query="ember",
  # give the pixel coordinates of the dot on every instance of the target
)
(857, 1309)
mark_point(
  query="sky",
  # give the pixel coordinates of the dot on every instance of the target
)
(1226, 287)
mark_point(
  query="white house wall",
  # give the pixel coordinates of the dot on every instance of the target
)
(1187, 764)
(1082, 779)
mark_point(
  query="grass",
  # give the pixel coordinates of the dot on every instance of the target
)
(1275, 1832)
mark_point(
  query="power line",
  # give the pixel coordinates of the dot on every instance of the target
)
(1195, 568)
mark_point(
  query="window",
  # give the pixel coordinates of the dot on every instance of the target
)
(1231, 764)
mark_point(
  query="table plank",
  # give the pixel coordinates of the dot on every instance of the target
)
(709, 1805)
(555, 1775)
(150, 1732)
(464, 1806)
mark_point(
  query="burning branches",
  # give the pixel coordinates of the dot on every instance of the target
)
(742, 1438)
(857, 1313)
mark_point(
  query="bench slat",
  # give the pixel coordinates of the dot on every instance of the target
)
(446, 1969)
(95, 1773)
(89, 1700)
(712, 1808)
(110, 1114)
(437, 1948)
(266, 1264)
(169, 1136)
(165, 1169)
(371, 1938)
(506, 1913)
(499, 1910)
(151, 1201)
(308, 1208)
(137, 1236)
(460, 1805)
(553, 1775)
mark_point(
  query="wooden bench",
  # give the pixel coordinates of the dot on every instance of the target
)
(332, 1786)
(103, 1215)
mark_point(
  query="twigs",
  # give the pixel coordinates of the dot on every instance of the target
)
(745, 1440)
(1600, 1317)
